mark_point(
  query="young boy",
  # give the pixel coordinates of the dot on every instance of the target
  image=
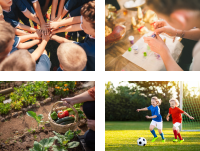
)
(177, 118)
(85, 22)
(71, 57)
(20, 60)
(180, 19)
(10, 12)
(7, 41)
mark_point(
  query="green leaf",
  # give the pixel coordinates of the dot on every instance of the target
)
(37, 146)
(31, 114)
(69, 134)
(59, 148)
(73, 144)
(47, 142)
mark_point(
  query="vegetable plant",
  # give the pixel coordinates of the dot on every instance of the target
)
(5, 108)
(2, 98)
(37, 118)
(16, 105)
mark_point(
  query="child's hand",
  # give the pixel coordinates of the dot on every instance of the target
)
(138, 110)
(52, 25)
(162, 26)
(191, 117)
(167, 118)
(157, 45)
(46, 37)
(39, 33)
(147, 117)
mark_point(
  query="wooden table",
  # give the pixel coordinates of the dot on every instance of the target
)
(113, 55)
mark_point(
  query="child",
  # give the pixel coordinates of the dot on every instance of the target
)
(20, 60)
(71, 57)
(176, 117)
(85, 22)
(156, 118)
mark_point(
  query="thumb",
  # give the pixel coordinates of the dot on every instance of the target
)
(158, 37)
(159, 30)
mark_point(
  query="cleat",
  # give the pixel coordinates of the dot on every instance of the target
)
(163, 140)
(181, 141)
(154, 139)
(175, 140)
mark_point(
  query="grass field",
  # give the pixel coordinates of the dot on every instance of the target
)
(122, 136)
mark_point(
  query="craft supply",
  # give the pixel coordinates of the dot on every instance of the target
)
(145, 54)
(131, 39)
(153, 36)
(164, 39)
(129, 49)
(135, 48)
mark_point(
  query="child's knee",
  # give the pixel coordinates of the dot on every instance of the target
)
(174, 128)
(160, 131)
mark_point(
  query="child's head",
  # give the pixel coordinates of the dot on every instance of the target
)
(1, 14)
(5, 3)
(173, 103)
(88, 13)
(20, 60)
(72, 57)
(155, 101)
(181, 14)
(7, 35)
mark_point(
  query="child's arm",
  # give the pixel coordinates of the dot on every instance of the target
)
(150, 117)
(19, 32)
(143, 109)
(40, 49)
(26, 28)
(45, 7)
(28, 37)
(188, 115)
(29, 15)
(53, 9)
(70, 28)
(60, 10)
(64, 22)
(38, 11)
(60, 39)
(167, 118)
(29, 44)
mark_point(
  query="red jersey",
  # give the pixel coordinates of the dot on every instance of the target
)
(176, 114)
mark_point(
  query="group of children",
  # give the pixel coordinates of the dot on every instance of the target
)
(157, 118)
(16, 38)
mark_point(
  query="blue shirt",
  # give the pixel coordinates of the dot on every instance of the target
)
(12, 16)
(89, 46)
(73, 4)
(155, 111)
(16, 43)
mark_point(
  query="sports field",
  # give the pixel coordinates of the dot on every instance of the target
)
(122, 136)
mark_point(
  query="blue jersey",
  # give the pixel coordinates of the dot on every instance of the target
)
(155, 111)
(12, 16)
(73, 4)
(89, 46)
(16, 43)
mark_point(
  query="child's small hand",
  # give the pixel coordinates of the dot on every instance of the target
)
(147, 117)
(46, 37)
(191, 117)
(167, 118)
(52, 25)
(138, 110)
(39, 33)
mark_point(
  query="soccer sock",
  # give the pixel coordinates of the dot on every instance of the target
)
(154, 133)
(162, 135)
(175, 134)
(179, 135)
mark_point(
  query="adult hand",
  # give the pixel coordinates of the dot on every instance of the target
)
(67, 101)
(157, 45)
(91, 124)
(162, 26)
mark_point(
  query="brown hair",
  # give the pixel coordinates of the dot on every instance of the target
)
(20, 60)
(71, 56)
(158, 101)
(168, 6)
(88, 12)
(7, 33)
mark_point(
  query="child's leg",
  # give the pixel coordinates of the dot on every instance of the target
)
(179, 135)
(175, 132)
(161, 133)
(160, 126)
(151, 128)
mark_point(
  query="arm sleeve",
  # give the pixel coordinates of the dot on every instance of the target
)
(156, 113)
(14, 23)
(90, 51)
(169, 110)
(149, 108)
(180, 111)
(17, 41)
(33, 1)
(70, 5)
(22, 7)
(92, 92)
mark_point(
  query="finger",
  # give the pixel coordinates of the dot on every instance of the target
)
(158, 37)
(160, 30)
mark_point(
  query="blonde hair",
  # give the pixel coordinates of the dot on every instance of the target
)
(20, 60)
(158, 101)
(175, 100)
(72, 57)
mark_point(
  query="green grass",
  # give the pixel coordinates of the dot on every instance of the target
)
(122, 136)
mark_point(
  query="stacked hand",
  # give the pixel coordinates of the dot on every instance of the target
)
(91, 124)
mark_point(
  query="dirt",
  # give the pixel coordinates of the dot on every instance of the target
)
(20, 125)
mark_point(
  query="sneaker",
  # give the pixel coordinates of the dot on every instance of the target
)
(181, 141)
(154, 139)
(163, 140)
(175, 140)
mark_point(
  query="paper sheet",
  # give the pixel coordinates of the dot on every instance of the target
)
(151, 62)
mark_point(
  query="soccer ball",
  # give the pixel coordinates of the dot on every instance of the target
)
(141, 141)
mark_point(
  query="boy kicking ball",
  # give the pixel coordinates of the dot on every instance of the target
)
(176, 117)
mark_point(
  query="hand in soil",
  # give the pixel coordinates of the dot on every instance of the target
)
(91, 124)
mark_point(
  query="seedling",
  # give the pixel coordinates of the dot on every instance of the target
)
(37, 118)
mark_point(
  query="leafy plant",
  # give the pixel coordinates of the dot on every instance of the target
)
(37, 118)
(5, 108)
(16, 105)
(2, 98)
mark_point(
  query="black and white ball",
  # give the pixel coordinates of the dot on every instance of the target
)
(141, 141)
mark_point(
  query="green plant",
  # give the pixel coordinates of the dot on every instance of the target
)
(64, 139)
(2, 98)
(37, 118)
(5, 108)
(35, 136)
(16, 105)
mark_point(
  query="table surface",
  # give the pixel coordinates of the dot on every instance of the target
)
(114, 61)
